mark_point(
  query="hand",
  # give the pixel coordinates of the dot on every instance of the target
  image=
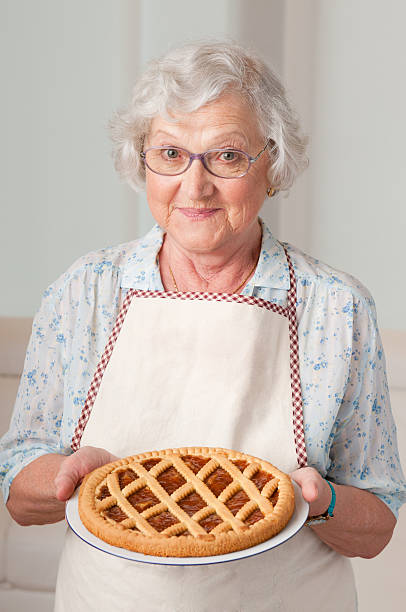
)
(75, 467)
(315, 489)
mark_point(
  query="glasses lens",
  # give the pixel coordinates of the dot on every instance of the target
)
(227, 163)
(167, 160)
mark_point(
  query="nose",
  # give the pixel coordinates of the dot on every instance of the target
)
(197, 182)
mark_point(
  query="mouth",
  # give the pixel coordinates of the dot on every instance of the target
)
(198, 213)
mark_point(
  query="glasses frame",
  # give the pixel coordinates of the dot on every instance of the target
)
(201, 156)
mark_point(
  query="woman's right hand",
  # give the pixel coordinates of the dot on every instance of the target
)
(75, 467)
(39, 491)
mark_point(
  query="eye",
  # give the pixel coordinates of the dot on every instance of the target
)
(228, 156)
(171, 153)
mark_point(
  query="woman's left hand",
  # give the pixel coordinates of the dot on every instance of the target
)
(362, 524)
(315, 489)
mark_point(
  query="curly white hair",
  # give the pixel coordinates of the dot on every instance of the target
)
(192, 75)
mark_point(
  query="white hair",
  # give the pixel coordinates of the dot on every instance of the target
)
(188, 77)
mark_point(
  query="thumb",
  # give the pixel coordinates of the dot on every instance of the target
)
(307, 481)
(67, 479)
(75, 467)
(309, 490)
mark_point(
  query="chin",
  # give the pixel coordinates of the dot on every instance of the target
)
(199, 246)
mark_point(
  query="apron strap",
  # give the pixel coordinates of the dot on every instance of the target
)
(297, 402)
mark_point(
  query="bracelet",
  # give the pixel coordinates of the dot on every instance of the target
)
(328, 514)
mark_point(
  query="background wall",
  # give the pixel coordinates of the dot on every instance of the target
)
(68, 65)
(65, 67)
(344, 62)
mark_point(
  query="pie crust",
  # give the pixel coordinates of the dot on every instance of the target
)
(186, 502)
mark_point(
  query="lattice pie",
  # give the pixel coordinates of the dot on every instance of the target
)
(186, 502)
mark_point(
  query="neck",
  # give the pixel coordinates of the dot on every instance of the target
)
(225, 270)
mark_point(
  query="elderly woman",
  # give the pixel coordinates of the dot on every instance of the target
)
(217, 335)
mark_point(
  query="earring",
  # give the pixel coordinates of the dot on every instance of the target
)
(270, 192)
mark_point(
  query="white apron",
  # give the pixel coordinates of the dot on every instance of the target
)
(196, 369)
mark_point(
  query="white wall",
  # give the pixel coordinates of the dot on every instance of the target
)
(65, 67)
(345, 62)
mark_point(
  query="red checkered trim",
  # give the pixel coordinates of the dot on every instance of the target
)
(297, 402)
(289, 311)
(212, 297)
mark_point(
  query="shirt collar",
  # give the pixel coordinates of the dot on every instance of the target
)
(141, 270)
(272, 270)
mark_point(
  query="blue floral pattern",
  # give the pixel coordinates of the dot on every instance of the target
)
(349, 429)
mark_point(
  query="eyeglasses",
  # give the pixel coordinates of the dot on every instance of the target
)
(224, 163)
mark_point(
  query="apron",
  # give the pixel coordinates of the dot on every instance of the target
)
(202, 369)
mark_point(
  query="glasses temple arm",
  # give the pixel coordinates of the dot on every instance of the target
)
(253, 159)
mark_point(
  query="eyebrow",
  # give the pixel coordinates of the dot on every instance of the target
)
(222, 138)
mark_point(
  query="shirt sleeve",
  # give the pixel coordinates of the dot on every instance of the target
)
(37, 416)
(364, 450)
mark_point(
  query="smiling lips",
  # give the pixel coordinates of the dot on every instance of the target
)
(198, 213)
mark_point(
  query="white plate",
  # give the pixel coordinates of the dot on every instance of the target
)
(295, 524)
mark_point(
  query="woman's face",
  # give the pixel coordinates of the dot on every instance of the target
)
(201, 212)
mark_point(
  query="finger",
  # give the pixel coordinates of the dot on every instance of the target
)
(89, 458)
(310, 490)
(76, 466)
(67, 478)
(65, 485)
(307, 479)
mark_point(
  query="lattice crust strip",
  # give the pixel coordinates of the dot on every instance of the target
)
(102, 500)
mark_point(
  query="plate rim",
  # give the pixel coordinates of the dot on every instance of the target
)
(291, 529)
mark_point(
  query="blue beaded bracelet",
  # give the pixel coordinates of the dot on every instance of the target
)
(328, 514)
(332, 505)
